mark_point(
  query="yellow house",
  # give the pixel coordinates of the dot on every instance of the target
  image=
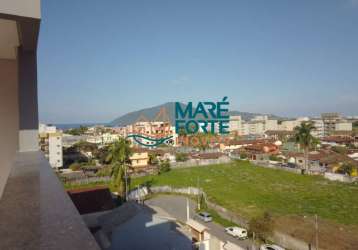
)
(139, 158)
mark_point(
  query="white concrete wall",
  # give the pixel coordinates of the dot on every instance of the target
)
(9, 113)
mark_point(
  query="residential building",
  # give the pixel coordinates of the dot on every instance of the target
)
(51, 144)
(256, 127)
(139, 158)
(334, 122)
(271, 125)
(318, 128)
(343, 126)
(289, 125)
(151, 129)
(235, 124)
(322, 161)
(35, 211)
(244, 130)
(281, 135)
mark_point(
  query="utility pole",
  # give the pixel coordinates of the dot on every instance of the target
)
(126, 180)
(138, 194)
(187, 209)
(253, 241)
(198, 193)
(316, 222)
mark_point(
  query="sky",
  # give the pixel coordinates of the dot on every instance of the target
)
(98, 60)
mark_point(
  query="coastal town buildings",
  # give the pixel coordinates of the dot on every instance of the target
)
(328, 124)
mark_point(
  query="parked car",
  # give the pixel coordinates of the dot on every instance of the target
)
(238, 232)
(271, 247)
(204, 216)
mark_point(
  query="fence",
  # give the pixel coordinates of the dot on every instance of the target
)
(88, 180)
(267, 164)
(340, 177)
(200, 162)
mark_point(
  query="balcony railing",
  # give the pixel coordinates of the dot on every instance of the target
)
(35, 211)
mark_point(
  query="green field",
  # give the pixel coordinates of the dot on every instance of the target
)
(249, 191)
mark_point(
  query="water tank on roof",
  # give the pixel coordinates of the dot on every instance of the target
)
(278, 143)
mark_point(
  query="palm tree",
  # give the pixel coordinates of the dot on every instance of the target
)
(305, 139)
(118, 156)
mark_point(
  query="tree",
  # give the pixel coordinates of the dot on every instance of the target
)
(262, 226)
(77, 131)
(119, 157)
(305, 139)
(346, 168)
(340, 149)
(153, 160)
(164, 166)
(355, 124)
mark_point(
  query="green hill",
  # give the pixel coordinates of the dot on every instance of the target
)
(150, 113)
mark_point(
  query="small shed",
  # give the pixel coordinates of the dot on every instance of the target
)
(197, 230)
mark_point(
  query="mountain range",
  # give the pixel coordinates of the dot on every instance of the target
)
(151, 113)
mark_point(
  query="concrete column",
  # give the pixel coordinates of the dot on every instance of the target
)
(28, 106)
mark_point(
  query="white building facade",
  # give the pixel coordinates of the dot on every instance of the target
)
(50, 141)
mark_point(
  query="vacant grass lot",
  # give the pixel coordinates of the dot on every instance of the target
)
(250, 190)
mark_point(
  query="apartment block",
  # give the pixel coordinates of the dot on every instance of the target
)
(51, 144)
(319, 128)
(256, 127)
(343, 126)
(289, 125)
(271, 125)
(235, 124)
(334, 122)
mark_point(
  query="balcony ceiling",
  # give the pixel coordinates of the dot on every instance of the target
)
(9, 39)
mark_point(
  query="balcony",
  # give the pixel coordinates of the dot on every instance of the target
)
(36, 212)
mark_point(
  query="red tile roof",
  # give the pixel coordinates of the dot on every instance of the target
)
(207, 155)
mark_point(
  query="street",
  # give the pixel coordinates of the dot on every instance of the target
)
(175, 206)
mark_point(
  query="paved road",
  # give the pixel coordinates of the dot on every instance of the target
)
(175, 206)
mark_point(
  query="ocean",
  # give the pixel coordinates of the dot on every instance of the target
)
(77, 125)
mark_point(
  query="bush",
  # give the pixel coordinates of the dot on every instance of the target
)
(181, 157)
(75, 166)
(105, 171)
(262, 226)
(153, 160)
(274, 158)
(340, 149)
(164, 166)
(243, 155)
(346, 168)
